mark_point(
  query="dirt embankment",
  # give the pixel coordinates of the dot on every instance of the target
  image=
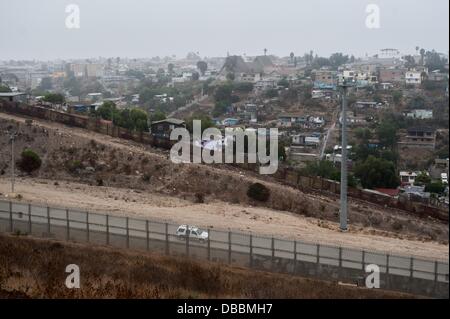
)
(76, 155)
(32, 268)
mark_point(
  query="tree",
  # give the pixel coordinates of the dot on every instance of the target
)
(29, 161)
(72, 85)
(244, 87)
(202, 66)
(338, 59)
(206, 121)
(170, 68)
(422, 179)
(324, 169)
(55, 98)
(284, 82)
(195, 76)
(417, 102)
(220, 108)
(397, 97)
(4, 89)
(107, 109)
(410, 62)
(161, 75)
(271, 93)
(46, 84)
(327, 170)
(387, 133)
(376, 172)
(434, 61)
(139, 119)
(435, 187)
(230, 76)
(131, 119)
(363, 134)
(157, 116)
(422, 56)
(281, 151)
(136, 73)
(223, 93)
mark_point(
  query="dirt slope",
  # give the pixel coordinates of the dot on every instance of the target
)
(25, 272)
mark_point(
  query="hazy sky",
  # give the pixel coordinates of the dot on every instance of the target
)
(35, 29)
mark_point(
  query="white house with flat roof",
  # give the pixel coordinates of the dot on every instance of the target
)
(413, 77)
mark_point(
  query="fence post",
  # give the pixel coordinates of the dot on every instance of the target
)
(147, 235)
(67, 225)
(128, 232)
(10, 217)
(188, 233)
(387, 271)
(209, 244)
(107, 229)
(167, 239)
(87, 227)
(435, 271)
(411, 267)
(317, 259)
(272, 260)
(29, 219)
(229, 247)
(251, 250)
(364, 261)
(48, 221)
(435, 286)
(295, 256)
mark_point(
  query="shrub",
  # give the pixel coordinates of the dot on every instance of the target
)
(146, 177)
(199, 198)
(259, 192)
(29, 161)
(397, 225)
(73, 166)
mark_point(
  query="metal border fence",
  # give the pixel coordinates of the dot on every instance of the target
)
(400, 273)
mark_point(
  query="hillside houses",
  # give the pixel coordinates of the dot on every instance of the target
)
(421, 137)
(294, 120)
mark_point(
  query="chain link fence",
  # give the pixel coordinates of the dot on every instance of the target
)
(401, 273)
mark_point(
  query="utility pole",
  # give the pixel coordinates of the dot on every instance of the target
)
(344, 209)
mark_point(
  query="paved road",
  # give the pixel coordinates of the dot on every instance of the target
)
(327, 136)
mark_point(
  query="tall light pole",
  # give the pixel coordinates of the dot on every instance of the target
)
(344, 209)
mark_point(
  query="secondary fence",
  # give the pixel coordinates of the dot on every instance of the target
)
(400, 273)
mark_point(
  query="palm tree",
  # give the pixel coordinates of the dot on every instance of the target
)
(422, 55)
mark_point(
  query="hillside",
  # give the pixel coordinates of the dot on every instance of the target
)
(25, 272)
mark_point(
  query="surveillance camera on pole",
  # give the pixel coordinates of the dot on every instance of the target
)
(344, 85)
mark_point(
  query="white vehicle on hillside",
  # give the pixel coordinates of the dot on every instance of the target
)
(193, 232)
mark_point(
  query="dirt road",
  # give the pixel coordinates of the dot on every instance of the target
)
(217, 214)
